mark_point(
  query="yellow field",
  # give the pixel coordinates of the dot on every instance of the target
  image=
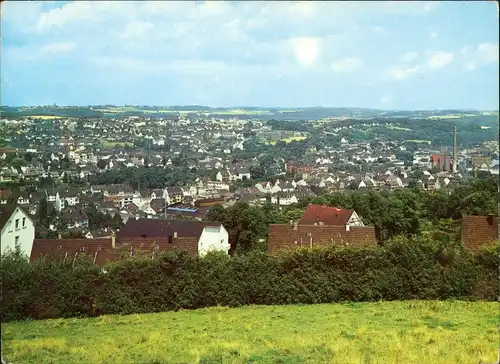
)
(294, 138)
(450, 116)
(419, 141)
(45, 117)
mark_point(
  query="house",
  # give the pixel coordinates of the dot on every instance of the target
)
(394, 181)
(284, 198)
(5, 195)
(174, 195)
(478, 230)
(293, 236)
(198, 237)
(75, 217)
(239, 173)
(17, 229)
(121, 193)
(325, 215)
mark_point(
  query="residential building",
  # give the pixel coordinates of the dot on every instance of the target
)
(17, 229)
(294, 236)
(326, 215)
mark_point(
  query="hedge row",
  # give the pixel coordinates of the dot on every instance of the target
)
(401, 270)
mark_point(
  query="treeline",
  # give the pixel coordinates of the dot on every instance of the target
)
(404, 269)
(406, 211)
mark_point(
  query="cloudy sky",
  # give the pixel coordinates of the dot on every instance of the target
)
(389, 55)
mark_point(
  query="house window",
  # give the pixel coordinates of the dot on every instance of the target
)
(24, 222)
(16, 241)
(17, 224)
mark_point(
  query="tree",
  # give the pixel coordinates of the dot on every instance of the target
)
(28, 157)
(102, 164)
(117, 221)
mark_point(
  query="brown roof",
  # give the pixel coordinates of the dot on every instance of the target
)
(5, 212)
(160, 228)
(479, 230)
(285, 236)
(102, 251)
(68, 249)
(328, 215)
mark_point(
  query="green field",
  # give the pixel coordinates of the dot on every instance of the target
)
(386, 332)
(240, 112)
(104, 143)
(419, 141)
(394, 127)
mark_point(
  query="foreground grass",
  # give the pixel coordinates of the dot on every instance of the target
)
(386, 332)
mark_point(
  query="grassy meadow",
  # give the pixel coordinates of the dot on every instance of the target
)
(385, 332)
(104, 143)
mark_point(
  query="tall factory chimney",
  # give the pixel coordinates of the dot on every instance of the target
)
(454, 149)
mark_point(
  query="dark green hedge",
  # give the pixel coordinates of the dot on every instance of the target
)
(403, 269)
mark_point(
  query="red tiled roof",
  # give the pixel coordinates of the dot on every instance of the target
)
(68, 249)
(479, 230)
(284, 236)
(328, 215)
(5, 193)
(102, 251)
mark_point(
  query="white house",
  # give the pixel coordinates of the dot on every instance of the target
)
(17, 229)
(213, 238)
(284, 199)
(182, 234)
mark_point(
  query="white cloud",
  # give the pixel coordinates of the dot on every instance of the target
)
(346, 65)
(440, 59)
(402, 73)
(470, 66)
(306, 50)
(488, 52)
(61, 47)
(408, 57)
(431, 5)
(137, 29)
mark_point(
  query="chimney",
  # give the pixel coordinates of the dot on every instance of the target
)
(59, 236)
(113, 240)
(454, 149)
(321, 223)
(348, 227)
(291, 222)
(175, 234)
(295, 224)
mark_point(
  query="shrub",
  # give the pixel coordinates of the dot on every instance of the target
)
(404, 268)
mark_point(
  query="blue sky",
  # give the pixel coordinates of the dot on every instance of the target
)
(387, 55)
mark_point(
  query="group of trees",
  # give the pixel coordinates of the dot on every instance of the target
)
(407, 212)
